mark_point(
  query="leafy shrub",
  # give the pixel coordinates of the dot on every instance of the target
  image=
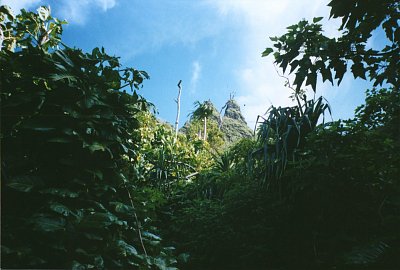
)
(67, 135)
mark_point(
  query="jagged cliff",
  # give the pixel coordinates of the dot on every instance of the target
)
(231, 122)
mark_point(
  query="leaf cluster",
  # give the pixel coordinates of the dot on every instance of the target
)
(308, 52)
(165, 161)
(283, 133)
(67, 136)
(336, 206)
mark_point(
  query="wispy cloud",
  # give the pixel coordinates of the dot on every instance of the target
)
(78, 11)
(259, 84)
(17, 5)
(74, 11)
(167, 23)
(106, 4)
(196, 72)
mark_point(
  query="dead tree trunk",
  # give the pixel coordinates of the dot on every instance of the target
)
(178, 111)
(205, 129)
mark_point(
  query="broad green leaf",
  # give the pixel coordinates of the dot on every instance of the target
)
(44, 13)
(62, 55)
(49, 224)
(99, 262)
(340, 69)
(151, 236)
(81, 251)
(317, 19)
(126, 249)
(94, 146)
(184, 257)
(35, 125)
(267, 52)
(312, 80)
(122, 208)
(60, 208)
(77, 266)
(326, 75)
(61, 192)
(23, 183)
(96, 172)
(98, 220)
(284, 65)
(293, 65)
(41, 124)
(366, 254)
(59, 140)
(7, 10)
(91, 236)
(124, 148)
(58, 77)
(358, 70)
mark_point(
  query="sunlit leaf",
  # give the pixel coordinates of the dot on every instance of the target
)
(44, 13)
(60, 208)
(126, 249)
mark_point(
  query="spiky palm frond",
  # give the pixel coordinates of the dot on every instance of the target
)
(203, 110)
(284, 131)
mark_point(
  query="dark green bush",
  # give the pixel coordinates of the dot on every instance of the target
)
(67, 137)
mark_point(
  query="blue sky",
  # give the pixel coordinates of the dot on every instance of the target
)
(213, 46)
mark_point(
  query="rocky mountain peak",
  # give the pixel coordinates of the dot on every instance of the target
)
(232, 111)
(233, 124)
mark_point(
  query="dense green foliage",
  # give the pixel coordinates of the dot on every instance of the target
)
(284, 132)
(90, 179)
(68, 199)
(166, 162)
(307, 195)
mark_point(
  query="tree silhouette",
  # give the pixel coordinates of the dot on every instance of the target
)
(202, 112)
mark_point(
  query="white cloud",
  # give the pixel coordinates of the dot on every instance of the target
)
(259, 84)
(106, 4)
(74, 11)
(196, 72)
(78, 11)
(17, 5)
(168, 23)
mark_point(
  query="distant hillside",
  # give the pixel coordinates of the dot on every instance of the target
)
(232, 123)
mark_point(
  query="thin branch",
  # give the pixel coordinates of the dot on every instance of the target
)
(181, 163)
(291, 87)
(124, 86)
(368, 53)
(355, 53)
(191, 175)
(137, 220)
(380, 208)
